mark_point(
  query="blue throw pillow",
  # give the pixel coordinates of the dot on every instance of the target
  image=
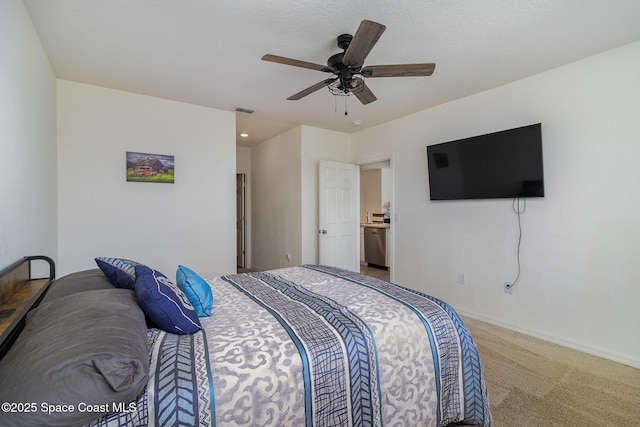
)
(196, 289)
(120, 272)
(164, 303)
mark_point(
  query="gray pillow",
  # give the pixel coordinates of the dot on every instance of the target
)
(81, 281)
(89, 348)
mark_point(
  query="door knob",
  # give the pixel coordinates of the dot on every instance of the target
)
(323, 231)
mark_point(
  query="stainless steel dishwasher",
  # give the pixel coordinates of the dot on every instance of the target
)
(375, 246)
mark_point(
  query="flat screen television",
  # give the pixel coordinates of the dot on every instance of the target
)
(505, 164)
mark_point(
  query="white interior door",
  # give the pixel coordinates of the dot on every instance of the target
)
(339, 227)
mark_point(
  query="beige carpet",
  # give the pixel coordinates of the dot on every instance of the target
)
(536, 383)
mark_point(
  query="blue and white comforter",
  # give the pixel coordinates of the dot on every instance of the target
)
(315, 346)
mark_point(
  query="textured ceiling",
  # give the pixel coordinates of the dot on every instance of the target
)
(208, 52)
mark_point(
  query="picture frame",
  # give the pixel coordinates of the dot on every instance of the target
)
(147, 167)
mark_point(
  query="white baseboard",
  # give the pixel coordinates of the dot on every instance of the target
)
(599, 352)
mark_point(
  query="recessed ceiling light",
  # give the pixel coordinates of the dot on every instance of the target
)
(357, 122)
(244, 135)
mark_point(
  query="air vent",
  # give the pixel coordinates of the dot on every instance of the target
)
(244, 110)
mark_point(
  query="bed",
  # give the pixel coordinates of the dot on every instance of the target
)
(124, 345)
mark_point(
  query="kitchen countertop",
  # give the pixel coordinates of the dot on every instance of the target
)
(375, 224)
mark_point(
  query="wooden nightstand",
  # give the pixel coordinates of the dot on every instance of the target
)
(19, 293)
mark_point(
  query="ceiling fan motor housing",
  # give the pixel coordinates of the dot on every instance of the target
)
(345, 74)
(344, 40)
(340, 69)
(335, 62)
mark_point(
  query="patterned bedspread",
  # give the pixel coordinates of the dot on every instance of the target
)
(315, 346)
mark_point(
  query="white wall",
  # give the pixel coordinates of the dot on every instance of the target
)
(190, 222)
(27, 141)
(317, 144)
(580, 284)
(276, 201)
(284, 184)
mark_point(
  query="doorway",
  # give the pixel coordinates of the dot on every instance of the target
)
(241, 189)
(376, 204)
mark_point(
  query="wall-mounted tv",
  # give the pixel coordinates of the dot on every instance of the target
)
(505, 164)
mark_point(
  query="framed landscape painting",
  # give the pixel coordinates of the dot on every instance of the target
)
(145, 167)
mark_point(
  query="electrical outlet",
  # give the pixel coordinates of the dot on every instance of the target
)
(461, 279)
(508, 288)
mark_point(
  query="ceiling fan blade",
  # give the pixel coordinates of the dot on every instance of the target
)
(296, 63)
(363, 41)
(364, 94)
(399, 70)
(310, 90)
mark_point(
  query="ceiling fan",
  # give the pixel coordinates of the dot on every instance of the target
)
(347, 66)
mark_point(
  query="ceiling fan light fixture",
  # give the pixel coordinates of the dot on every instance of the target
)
(349, 86)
